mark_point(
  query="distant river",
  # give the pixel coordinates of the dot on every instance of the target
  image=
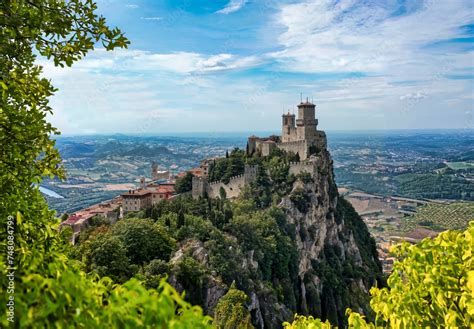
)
(50, 193)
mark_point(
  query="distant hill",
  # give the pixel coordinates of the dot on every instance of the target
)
(146, 151)
(73, 150)
(109, 147)
(117, 148)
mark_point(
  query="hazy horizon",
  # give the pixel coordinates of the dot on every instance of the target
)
(264, 133)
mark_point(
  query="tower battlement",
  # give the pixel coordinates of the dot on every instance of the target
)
(299, 135)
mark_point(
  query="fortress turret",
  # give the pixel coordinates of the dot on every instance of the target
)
(288, 133)
(307, 123)
(298, 136)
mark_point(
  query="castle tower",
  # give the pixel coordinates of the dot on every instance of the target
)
(307, 123)
(200, 187)
(154, 171)
(252, 144)
(250, 173)
(288, 132)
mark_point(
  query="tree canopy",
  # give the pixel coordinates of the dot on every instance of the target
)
(51, 290)
(231, 311)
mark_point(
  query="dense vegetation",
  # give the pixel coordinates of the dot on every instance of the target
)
(431, 286)
(231, 311)
(45, 288)
(184, 184)
(230, 233)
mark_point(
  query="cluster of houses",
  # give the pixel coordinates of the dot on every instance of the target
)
(162, 187)
(111, 209)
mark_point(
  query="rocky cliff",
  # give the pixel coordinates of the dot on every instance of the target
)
(330, 259)
(337, 261)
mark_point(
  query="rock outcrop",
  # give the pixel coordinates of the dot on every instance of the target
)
(337, 256)
(336, 264)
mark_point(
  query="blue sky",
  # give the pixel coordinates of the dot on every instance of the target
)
(236, 65)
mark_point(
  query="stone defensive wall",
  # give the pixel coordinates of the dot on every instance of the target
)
(299, 147)
(232, 189)
(303, 166)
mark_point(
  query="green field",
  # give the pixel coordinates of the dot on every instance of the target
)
(460, 165)
(440, 217)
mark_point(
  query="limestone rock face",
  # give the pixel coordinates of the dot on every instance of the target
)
(337, 258)
(327, 246)
(212, 288)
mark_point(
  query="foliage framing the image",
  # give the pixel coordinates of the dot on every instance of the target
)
(431, 286)
(49, 289)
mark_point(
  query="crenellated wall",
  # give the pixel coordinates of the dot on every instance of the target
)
(300, 147)
(303, 166)
(232, 189)
(201, 186)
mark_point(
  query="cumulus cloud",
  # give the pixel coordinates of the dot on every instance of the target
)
(136, 91)
(232, 6)
(398, 69)
(349, 35)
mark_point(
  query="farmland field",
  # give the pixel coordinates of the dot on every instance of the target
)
(460, 165)
(440, 217)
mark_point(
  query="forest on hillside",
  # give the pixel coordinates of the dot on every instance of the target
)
(205, 246)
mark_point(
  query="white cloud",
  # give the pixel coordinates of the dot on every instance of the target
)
(134, 91)
(152, 18)
(132, 6)
(178, 62)
(414, 96)
(328, 36)
(405, 85)
(146, 61)
(406, 82)
(232, 6)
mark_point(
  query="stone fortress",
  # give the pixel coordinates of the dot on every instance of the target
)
(299, 136)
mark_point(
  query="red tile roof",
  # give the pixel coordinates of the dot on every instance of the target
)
(136, 193)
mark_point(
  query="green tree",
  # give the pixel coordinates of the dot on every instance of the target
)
(152, 273)
(107, 255)
(303, 322)
(231, 311)
(181, 221)
(300, 199)
(51, 290)
(432, 285)
(190, 273)
(222, 193)
(143, 239)
(184, 184)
